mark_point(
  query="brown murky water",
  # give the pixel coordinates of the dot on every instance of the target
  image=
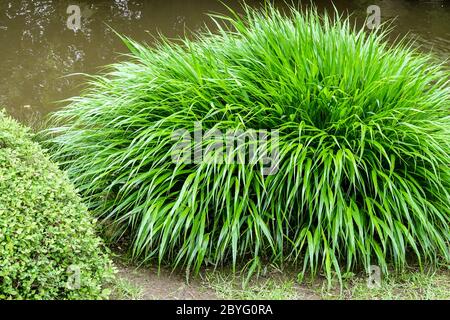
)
(38, 50)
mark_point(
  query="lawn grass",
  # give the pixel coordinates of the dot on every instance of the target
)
(124, 289)
(410, 285)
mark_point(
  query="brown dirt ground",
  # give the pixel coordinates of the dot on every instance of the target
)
(173, 286)
(146, 283)
(165, 285)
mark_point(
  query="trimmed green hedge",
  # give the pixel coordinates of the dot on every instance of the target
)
(48, 247)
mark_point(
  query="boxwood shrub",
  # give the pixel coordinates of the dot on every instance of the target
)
(48, 245)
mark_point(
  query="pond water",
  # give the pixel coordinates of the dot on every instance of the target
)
(39, 51)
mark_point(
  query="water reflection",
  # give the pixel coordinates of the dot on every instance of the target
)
(39, 51)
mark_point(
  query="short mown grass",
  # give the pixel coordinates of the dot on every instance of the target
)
(226, 288)
(362, 129)
(124, 289)
(410, 285)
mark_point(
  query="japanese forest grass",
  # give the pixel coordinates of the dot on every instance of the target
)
(363, 164)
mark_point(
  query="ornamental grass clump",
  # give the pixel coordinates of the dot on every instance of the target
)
(355, 130)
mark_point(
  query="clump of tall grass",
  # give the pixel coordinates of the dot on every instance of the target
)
(362, 135)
